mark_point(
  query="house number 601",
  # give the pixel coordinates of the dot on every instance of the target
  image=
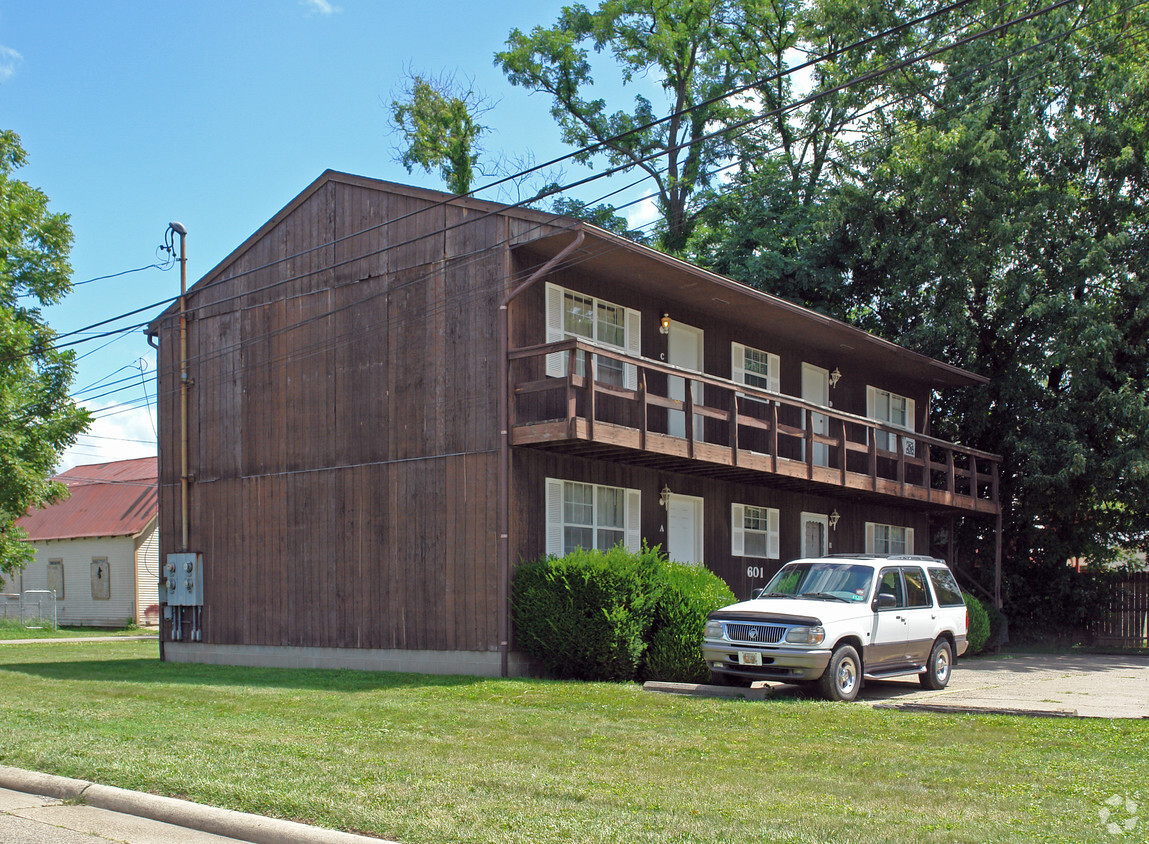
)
(754, 571)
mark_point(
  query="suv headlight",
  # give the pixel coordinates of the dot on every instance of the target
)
(713, 630)
(806, 635)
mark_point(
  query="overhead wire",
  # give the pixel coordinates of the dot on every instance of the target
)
(601, 175)
(749, 121)
(502, 209)
(603, 144)
(330, 343)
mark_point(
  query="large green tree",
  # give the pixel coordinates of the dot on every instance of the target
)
(37, 419)
(989, 207)
(1003, 225)
(813, 69)
(682, 46)
(438, 119)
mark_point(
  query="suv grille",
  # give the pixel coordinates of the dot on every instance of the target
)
(755, 634)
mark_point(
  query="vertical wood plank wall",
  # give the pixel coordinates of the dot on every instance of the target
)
(344, 428)
(344, 434)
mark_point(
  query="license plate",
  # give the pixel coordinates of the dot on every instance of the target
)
(749, 658)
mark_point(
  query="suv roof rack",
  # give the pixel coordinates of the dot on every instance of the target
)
(921, 558)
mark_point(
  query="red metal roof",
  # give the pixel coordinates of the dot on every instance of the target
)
(107, 499)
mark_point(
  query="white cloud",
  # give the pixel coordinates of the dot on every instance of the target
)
(117, 433)
(10, 62)
(642, 214)
(320, 7)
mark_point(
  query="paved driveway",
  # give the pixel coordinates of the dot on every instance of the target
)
(1092, 686)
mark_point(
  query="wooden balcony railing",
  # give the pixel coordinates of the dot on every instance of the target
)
(722, 423)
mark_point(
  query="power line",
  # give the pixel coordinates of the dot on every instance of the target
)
(744, 124)
(614, 139)
(330, 343)
(791, 107)
(162, 267)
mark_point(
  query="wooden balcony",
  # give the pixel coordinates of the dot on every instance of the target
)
(727, 430)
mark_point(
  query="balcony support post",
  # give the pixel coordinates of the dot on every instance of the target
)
(774, 437)
(689, 410)
(733, 428)
(572, 399)
(842, 451)
(644, 410)
(592, 372)
(809, 447)
(997, 562)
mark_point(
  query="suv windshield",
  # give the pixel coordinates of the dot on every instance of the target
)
(828, 581)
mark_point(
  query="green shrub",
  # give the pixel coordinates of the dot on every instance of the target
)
(587, 615)
(689, 593)
(998, 631)
(978, 633)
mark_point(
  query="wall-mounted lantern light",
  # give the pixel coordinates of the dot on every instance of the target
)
(664, 496)
(664, 324)
(834, 520)
(835, 377)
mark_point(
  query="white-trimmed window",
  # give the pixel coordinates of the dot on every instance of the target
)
(894, 410)
(889, 539)
(755, 368)
(571, 314)
(753, 531)
(590, 516)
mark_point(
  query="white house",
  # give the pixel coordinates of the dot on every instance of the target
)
(98, 549)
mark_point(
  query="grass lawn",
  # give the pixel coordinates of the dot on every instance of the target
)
(10, 629)
(430, 759)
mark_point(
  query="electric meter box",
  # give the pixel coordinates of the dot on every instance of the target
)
(184, 573)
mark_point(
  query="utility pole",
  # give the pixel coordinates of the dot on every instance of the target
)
(179, 229)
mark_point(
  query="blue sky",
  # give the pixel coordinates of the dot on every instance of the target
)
(216, 114)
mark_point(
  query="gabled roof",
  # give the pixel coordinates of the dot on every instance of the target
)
(627, 263)
(107, 499)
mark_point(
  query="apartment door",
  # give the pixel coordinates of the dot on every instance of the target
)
(685, 351)
(815, 535)
(816, 390)
(684, 529)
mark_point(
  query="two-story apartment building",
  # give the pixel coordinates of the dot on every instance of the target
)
(394, 396)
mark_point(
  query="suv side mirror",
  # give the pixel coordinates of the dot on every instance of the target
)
(886, 600)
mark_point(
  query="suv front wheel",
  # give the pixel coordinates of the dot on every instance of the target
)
(843, 677)
(938, 669)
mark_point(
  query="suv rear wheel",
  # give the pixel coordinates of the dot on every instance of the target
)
(939, 667)
(843, 677)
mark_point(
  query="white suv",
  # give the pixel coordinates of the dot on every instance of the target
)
(836, 620)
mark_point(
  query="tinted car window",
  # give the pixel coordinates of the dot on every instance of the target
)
(848, 582)
(891, 583)
(917, 593)
(946, 588)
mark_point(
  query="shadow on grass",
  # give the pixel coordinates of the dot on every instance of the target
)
(152, 671)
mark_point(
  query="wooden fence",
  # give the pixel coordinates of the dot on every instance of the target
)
(1127, 622)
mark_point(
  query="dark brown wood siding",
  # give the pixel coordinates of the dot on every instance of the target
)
(344, 431)
(528, 328)
(343, 427)
(532, 467)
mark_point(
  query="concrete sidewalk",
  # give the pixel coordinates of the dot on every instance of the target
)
(32, 819)
(1085, 685)
(40, 807)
